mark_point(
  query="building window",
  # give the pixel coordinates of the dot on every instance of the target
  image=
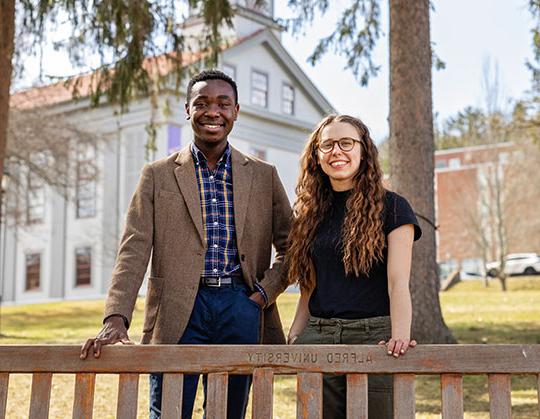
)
(258, 152)
(440, 164)
(85, 194)
(83, 266)
(35, 199)
(229, 70)
(259, 88)
(454, 162)
(33, 271)
(287, 99)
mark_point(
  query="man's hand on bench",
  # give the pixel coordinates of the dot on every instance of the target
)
(113, 331)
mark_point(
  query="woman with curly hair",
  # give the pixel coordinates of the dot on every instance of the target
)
(350, 252)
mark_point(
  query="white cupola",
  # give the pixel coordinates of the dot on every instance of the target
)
(250, 16)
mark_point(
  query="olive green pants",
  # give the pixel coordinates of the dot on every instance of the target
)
(362, 332)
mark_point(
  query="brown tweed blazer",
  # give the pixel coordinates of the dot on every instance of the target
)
(164, 220)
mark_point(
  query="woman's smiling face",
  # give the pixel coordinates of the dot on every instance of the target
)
(340, 166)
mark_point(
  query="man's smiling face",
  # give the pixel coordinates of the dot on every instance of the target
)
(213, 108)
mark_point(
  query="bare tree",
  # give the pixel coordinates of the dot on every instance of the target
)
(45, 149)
(496, 133)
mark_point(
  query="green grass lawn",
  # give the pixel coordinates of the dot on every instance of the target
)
(474, 313)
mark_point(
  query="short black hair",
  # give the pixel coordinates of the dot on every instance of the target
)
(212, 74)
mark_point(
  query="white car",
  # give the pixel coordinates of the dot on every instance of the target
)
(517, 264)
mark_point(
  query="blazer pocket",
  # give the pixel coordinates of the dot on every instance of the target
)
(153, 300)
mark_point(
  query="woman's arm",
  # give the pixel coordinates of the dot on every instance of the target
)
(400, 242)
(300, 317)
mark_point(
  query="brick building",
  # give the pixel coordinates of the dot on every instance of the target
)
(467, 183)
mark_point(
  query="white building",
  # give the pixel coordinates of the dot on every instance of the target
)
(67, 249)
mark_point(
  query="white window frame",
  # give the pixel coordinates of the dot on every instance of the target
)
(286, 102)
(86, 189)
(26, 256)
(77, 250)
(255, 89)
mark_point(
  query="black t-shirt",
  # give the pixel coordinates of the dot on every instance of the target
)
(337, 295)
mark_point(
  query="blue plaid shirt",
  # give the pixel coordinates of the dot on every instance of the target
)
(216, 195)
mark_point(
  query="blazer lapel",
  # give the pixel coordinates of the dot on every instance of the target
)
(187, 182)
(242, 180)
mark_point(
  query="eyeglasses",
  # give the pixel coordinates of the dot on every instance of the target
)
(346, 144)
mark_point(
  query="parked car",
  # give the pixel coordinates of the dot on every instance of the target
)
(516, 264)
(470, 269)
(465, 275)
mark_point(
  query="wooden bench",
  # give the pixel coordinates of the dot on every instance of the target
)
(307, 362)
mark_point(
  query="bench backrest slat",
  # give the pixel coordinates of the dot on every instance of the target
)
(500, 403)
(263, 393)
(216, 402)
(41, 395)
(83, 402)
(404, 402)
(128, 392)
(171, 395)
(452, 396)
(4, 383)
(309, 395)
(357, 394)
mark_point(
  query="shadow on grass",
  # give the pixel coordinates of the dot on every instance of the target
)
(475, 395)
(57, 317)
(485, 332)
(4, 336)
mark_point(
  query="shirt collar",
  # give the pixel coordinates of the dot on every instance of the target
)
(200, 158)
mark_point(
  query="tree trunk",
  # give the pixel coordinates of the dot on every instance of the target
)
(7, 30)
(412, 155)
(502, 279)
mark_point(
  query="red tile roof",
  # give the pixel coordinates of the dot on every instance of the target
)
(62, 91)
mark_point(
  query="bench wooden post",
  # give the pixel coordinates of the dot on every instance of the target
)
(4, 382)
(404, 403)
(500, 403)
(171, 395)
(309, 395)
(357, 396)
(83, 403)
(41, 395)
(263, 392)
(128, 394)
(452, 396)
(216, 400)
(538, 392)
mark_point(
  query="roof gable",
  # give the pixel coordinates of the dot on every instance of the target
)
(281, 55)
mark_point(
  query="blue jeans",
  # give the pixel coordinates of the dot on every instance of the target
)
(223, 315)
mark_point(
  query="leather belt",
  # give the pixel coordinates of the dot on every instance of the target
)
(219, 281)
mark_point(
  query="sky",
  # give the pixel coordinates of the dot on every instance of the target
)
(465, 34)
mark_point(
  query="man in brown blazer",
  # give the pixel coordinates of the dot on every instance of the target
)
(208, 215)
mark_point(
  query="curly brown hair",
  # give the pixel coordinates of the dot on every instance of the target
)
(362, 234)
